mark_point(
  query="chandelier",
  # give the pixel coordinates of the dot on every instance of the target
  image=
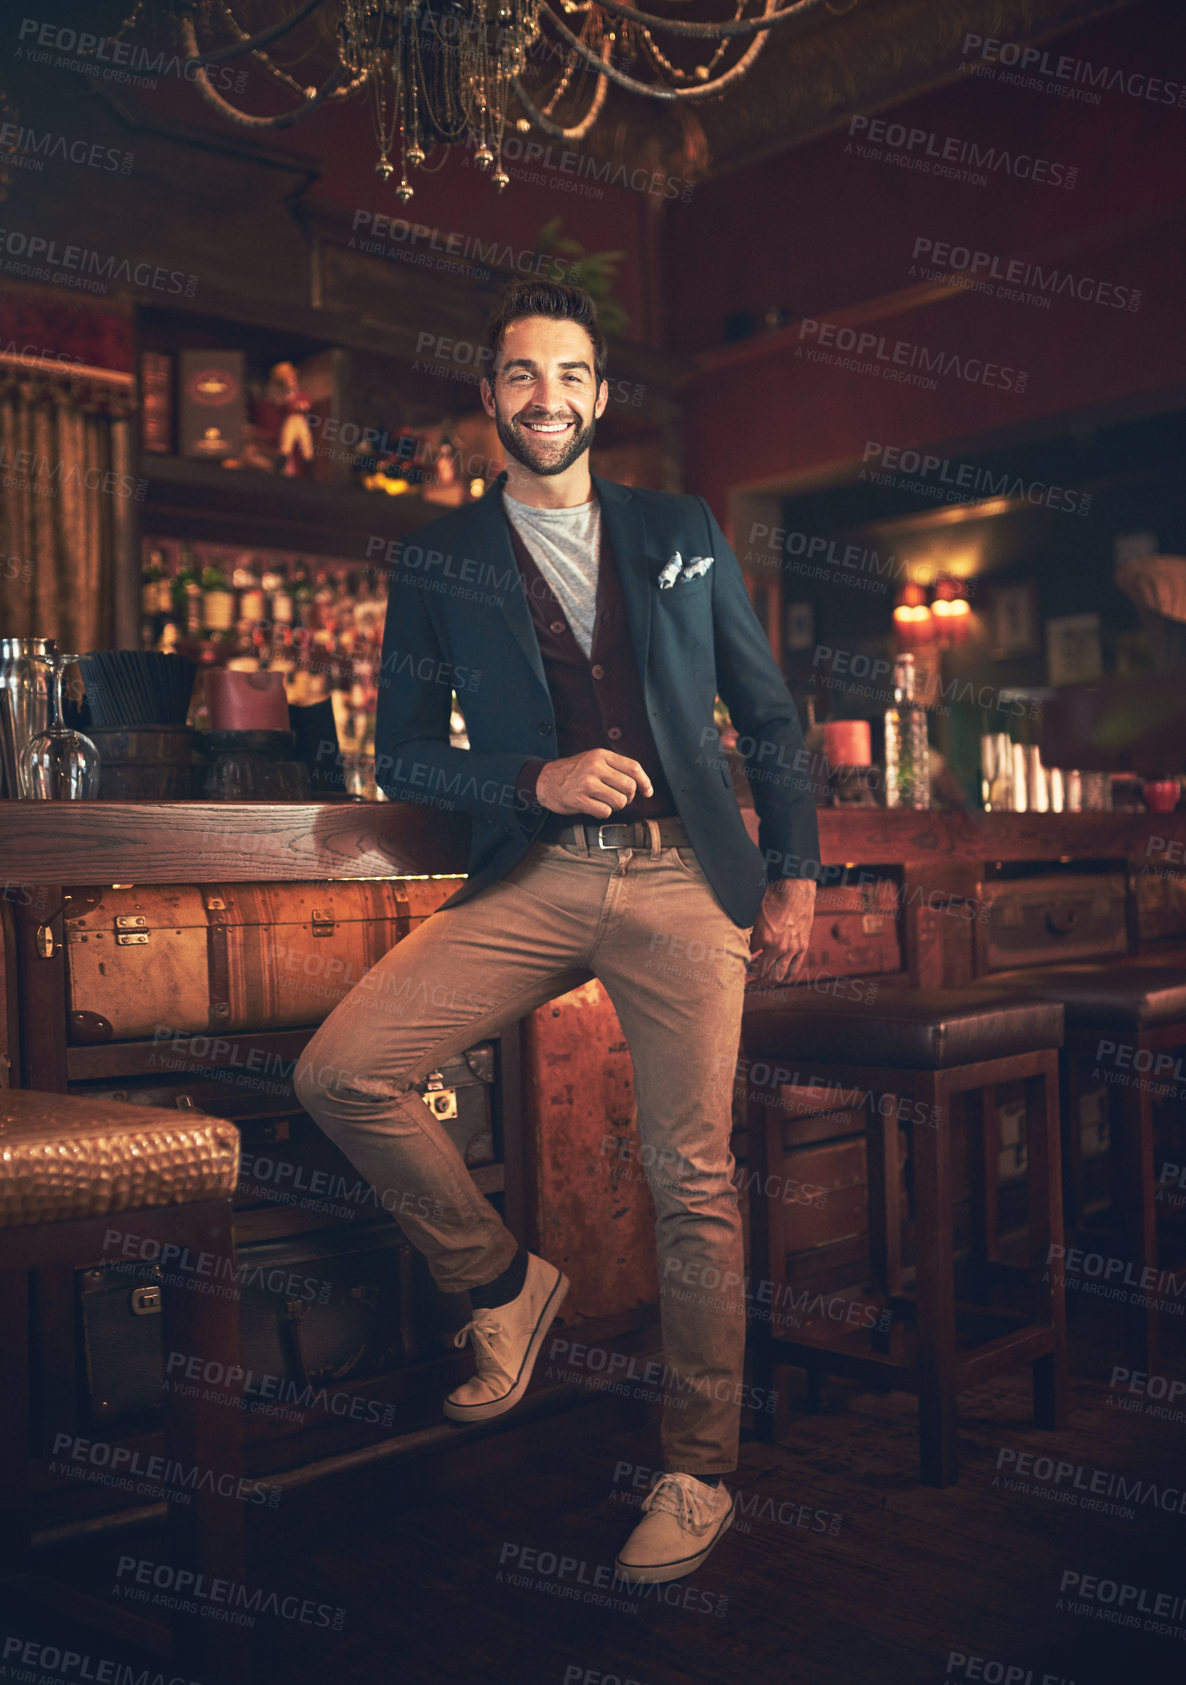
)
(459, 72)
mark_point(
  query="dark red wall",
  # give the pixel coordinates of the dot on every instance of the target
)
(826, 233)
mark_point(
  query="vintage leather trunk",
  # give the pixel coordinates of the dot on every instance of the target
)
(315, 1311)
(287, 1160)
(298, 1166)
(591, 1210)
(590, 1206)
(1161, 904)
(1049, 920)
(228, 957)
(855, 931)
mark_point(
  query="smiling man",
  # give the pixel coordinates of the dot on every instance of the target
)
(606, 842)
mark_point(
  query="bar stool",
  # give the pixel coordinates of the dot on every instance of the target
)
(74, 1172)
(1126, 1018)
(907, 1056)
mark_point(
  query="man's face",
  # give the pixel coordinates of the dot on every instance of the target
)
(545, 399)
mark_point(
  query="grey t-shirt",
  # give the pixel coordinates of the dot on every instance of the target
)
(565, 546)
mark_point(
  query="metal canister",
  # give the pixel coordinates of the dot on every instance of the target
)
(24, 700)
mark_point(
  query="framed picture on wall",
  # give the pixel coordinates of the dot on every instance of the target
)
(1014, 620)
(799, 625)
(1073, 653)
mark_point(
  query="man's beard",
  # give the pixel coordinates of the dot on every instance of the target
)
(533, 453)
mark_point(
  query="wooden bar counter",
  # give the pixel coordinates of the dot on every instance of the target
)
(170, 842)
(918, 922)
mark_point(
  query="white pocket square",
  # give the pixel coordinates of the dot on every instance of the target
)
(670, 571)
(677, 570)
(697, 566)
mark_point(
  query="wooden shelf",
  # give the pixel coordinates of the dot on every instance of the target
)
(204, 502)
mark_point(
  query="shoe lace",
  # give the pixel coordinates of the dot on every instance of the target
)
(681, 1495)
(481, 1331)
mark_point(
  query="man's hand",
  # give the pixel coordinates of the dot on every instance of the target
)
(783, 930)
(597, 782)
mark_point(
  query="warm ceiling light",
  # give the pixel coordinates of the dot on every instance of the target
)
(951, 609)
(912, 616)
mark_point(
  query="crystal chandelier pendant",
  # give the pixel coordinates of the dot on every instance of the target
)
(447, 69)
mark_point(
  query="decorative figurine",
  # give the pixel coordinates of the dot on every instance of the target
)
(295, 441)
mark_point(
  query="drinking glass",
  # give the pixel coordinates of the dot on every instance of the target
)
(58, 764)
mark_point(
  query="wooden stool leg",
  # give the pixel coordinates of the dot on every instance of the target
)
(884, 1181)
(1069, 1098)
(1133, 1204)
(768, 1256)
(984, 1175)
(937, 1421)
(885, 1202)
(14, 1422)
(1045, 1230)
(200, 1316)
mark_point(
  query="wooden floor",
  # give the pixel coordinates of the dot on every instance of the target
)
(906, 1586)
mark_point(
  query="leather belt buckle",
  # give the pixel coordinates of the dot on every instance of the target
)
(608, 827)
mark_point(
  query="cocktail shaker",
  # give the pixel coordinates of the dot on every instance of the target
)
(24, 700)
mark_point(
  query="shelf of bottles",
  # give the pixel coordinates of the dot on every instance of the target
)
(319, 622)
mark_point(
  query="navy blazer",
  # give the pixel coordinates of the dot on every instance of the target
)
(458, 619)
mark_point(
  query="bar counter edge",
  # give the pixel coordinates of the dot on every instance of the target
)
(234, 842)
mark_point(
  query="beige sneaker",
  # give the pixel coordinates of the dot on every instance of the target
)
(682, 1519)
(506, 1343)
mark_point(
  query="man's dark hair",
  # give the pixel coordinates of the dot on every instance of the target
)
(545, 298)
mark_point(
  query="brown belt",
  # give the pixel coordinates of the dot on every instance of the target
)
(611, 834)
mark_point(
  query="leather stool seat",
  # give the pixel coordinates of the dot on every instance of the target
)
(65, 1156)
(69, 1165)
(908, 1029)
(1134, 997)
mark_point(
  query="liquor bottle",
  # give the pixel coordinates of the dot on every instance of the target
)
(243, 657)
(296, 681)
(907, 771)
(246, 582)
(169, 638)
(279, 597)
(155, 598)
(302, 596)
(323, 599)
(150, 579)
(187, 594)
(218, 603)
(280, 654)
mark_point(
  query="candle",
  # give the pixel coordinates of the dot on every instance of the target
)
(848, 743)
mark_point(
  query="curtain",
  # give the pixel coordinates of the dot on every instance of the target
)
(67, 517)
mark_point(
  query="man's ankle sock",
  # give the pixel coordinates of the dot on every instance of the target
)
(504, 1287)
(708, 1479)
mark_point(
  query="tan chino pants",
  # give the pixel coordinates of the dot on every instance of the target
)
(673, 963)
